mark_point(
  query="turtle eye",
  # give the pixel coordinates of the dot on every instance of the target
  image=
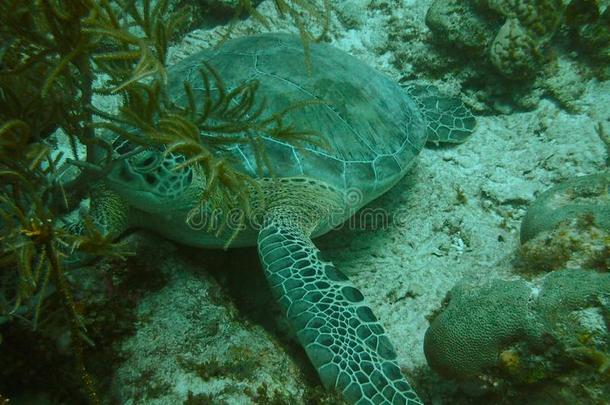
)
(146, 163)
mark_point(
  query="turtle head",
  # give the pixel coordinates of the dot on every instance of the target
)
(150, 180)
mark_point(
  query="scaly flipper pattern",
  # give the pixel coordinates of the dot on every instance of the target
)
(343, 339)
(448, 120)
(109, 214)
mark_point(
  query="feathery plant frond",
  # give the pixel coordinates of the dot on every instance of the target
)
(295, 9)
(203, 126)
(51, 52)
(299, 11)
(91, 241)
(29, 240)
(47, 65)
(132, 56)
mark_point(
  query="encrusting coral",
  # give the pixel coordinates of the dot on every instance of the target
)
(585, 195)
(568, 226)
(513, 34)
(529, 26)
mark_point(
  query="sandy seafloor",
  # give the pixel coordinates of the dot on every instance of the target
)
(222, 336)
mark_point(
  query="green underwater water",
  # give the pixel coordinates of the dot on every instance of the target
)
(466, 264)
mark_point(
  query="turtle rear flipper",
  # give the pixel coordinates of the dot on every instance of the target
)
(448, 119)
(342, 338)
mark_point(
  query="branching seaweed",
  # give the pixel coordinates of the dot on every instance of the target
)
(201, 128)
(51, 53)
(29, 237)
(296, 10)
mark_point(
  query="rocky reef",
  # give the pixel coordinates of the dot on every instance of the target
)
(585, 196)
(568, 226)
(535, 46)
(521, 330)
(546, 334)
(513, 34)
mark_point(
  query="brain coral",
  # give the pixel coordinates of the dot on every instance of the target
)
(478, 322)
(522, 331)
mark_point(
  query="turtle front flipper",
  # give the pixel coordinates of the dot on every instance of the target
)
(343, 339)
(109, 215)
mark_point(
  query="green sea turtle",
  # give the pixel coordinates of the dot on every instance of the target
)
(375, 130)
